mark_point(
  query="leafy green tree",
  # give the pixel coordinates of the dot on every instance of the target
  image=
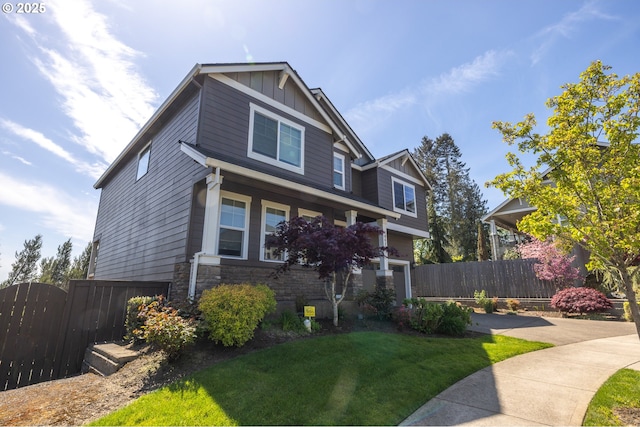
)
(25, 267)
(586, 181)
(457, 199)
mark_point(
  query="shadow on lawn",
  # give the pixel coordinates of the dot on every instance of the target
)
(359, 378)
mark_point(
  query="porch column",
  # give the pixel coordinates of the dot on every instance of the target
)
(495, 242)
(351, 217)
(384, 276)
(207, 255)
(211, 213)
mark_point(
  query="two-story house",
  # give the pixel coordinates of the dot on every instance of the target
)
(233, 151)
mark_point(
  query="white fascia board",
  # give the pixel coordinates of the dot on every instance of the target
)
(528, 209)
(408, 230)
(242, 68)
(496, 212)
(172, 97)
(404, 176)
(260, 176)
(269, 101)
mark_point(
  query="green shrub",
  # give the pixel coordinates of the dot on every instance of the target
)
(381, 301)
(133, 320)
(455, 319)
(430, 317)
(233, 312)
(291, 322)
(483, 301)
(164, 327)
(627, 311)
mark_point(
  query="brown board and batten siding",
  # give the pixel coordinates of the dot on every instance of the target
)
(143, 224)
(224, 130)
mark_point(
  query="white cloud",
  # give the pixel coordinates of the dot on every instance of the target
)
(549, 35)
(95, 74)
(465, 76)
(58, 210)
(93, 170)
(367, 115)
(18, 158)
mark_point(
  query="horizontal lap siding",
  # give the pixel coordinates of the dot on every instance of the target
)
(143, 225)
(385, 194)
(225, 131)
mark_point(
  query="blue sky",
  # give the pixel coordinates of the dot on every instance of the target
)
(83, 76)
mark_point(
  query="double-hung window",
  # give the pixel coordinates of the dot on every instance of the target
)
(338, 171)
(404, 197)
(234, 221)
(272, 215)
(275, 140)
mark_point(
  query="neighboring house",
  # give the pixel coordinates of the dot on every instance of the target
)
(233, 151)
(506, 216)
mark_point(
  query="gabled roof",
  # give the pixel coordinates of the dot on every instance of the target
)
(324, 107)
(406, 156)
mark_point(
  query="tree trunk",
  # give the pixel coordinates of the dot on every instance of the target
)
(631, 297)
(334, 302)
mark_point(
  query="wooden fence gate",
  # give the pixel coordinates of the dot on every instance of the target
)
(44, 330)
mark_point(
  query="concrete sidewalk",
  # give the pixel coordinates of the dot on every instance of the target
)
(547, 387)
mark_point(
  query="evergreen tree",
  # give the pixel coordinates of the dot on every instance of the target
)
(457, 198)
(55, 271)
(25, 267)
(80, 266)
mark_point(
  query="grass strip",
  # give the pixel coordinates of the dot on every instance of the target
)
(621, 390)
(363, 378)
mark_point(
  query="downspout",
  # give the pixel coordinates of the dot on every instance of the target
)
(191, 296)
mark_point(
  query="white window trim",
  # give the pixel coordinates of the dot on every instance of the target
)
(306, 212)
(266, 159)
(245, 237)
(393, 197)
(263, 224)
(343, 172)
(147, 148)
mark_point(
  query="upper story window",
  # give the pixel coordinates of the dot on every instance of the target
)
(404, 197)
(338, 171)
(143, 162)
(276, 140)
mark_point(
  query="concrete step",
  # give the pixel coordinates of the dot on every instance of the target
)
(105, 359)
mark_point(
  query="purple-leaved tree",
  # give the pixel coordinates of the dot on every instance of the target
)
(334, 252)
(552, 264)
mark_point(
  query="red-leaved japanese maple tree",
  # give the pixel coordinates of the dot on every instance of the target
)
(334, 252)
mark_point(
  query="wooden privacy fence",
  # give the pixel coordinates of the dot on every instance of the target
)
(44, 330)
(507, 279)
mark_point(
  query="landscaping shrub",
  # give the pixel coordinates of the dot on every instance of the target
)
(627, 311)
(233, 312)
(164, 327)
(483, 301)
(291, 322)
(133, 320)
(513, 304)
(455, 319)
(380, 302)
(580, 300)
(430, 317)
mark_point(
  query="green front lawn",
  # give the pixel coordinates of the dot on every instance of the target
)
(622, 390)
(363, 378)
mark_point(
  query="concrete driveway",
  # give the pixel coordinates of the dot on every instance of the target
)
(547, 387)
